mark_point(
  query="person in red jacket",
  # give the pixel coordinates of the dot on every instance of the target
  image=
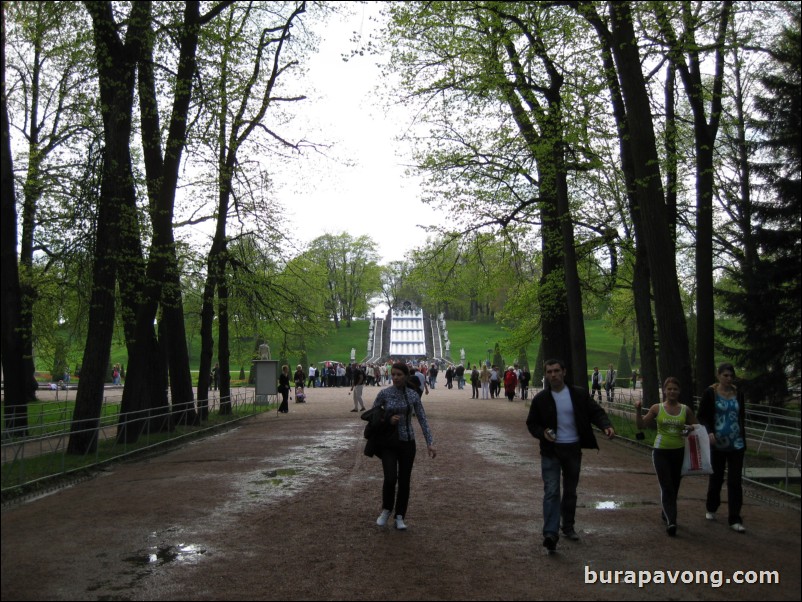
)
(510, 382)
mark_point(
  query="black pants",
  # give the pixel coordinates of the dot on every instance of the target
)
(734, 461)
(284, 406)
(668, 466)
(397, 464)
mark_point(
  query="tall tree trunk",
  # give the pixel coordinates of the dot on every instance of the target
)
(215, 273)
(650, 378)
(163, 277)
(641, 282)
(705, 133)
(674, 357)
(13, 346)
(116, 65)
(672, 158)
(554, 321)
(705, 314)
(32, 193)
(573, 289)
(223, 350)
(207, 333)
(560, 298)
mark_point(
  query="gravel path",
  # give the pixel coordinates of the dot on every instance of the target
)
(283, 507)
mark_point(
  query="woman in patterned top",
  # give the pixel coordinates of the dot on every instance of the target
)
(400, 403)
(723, 412)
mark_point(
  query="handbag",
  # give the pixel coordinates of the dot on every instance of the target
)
(697, 453)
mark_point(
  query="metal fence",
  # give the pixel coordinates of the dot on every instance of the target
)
(41, 454)
(773, 441)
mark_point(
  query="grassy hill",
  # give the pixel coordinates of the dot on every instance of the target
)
(603, 346)
(475, 338)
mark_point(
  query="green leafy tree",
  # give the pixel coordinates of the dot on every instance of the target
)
(767, 289)
(50, 61)
(352, 271)
(256, 55)
(500, 149)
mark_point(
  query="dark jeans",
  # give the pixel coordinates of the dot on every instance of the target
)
(397, 464)
(668, 466)
(567, 459)
(734, 461)
(284, 396)
(475, 390)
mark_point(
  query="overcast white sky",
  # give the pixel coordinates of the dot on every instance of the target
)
(372, 195)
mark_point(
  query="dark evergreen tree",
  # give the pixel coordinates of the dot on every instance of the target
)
(767, 292)
(498, 360)
(523, 359)
(537, 369)
(624, 367)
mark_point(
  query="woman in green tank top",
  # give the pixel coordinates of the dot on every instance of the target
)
(674, 421)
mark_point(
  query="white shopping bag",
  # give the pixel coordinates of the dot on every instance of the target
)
(697, 452)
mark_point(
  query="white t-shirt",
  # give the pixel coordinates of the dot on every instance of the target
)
(566, 423)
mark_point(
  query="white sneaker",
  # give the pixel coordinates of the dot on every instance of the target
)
(738, 528)
(710, 515)
(383, 517)
(399, 523)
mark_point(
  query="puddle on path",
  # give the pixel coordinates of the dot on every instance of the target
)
(617, 504)
(126, 583)
(291, 473)
(493, 443)
(165, 554)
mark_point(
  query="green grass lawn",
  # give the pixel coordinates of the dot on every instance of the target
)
(476, 338)
(603, 347)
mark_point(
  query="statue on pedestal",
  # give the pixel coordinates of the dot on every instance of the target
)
(264, 351)
(462, 354)
(353, 355)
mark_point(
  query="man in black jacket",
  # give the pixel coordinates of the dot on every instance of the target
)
(561, 417)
